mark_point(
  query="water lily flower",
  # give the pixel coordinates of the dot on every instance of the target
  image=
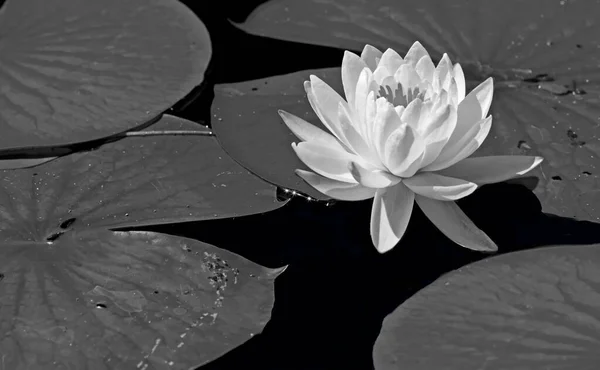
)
(404, 134)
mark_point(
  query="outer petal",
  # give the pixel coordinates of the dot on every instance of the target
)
(487, 170)
(439, 187)
(459, 76)
(355, 140)
(352, 65)
(385, 123)
(390, 214)
(336, 189)
(455, 224)
(391, 61)
(364, 87)
(325, 161)
(416, 52)
(306, 131)
(324, 100)
(371, 56)
(443, 73)
(471, 111)
(372, 178)
(456, 152)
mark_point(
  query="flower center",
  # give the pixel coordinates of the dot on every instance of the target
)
(397, 96)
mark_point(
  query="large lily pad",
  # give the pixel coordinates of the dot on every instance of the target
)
(133, 182)
(76, 295)
(544, 58)
(78, 70)
(535, 309)
(125, 300)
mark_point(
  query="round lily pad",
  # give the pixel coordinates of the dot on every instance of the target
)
(78, 70)
(534, 309)
(98, 299)
(543, 56)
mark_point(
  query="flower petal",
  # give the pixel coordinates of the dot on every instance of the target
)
(408, 78)
(371, 56)
(306, 131)
(442, 74)
(412, 114)
(380, 74)
(390, 214)
(328, 122)
(415, 53)
(336, 189)
(464, 147)
(436, 131)
(425, 68)
(455, 224)
(459, 76)
(385, 123)
(391, 60)
(364, 87)
(404, 151)
(372, 178)
(434, 186)
(355, 139)
(352, 65)
(326, 161)
(487, 170)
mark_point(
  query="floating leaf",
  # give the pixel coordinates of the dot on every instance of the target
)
(249, 128)
(7, 164)
(543, 56)
(133, 182)
(78, 70)
(124, 300)
(534, 309)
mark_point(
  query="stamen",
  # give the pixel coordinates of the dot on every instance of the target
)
(397, 96)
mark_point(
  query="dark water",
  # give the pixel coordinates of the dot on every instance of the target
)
(331, 300)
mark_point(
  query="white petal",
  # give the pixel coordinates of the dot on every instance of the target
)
(364, 87)
(371, 56)
(459, 76)
(425, 68)
(390, 214)
(380, 74)
(326, 161)
(372, 178)
(386, 121)
(487, 170)
(408, 78)
(464, 147)
(306, 131)
(391, 60)
(455, 224)
(434, 186)
(323, 108)
(443, 72)
(453, 92)
(404, 151)
(336, 189)
(415, 53)
(436, 131)
(355, 139)
(352, 65)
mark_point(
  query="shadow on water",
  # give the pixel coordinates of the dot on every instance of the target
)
(331, 300)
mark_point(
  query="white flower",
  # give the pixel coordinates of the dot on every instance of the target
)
(403, 135)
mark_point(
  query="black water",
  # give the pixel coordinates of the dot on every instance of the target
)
(331, 300)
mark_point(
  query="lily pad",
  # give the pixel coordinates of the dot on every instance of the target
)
(76, 295)
(135, 181)
(247, 124)
(534, 309)
(125, 300)
(543, 56)
(79, 70)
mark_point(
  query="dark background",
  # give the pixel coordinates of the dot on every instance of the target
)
(331, 300)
